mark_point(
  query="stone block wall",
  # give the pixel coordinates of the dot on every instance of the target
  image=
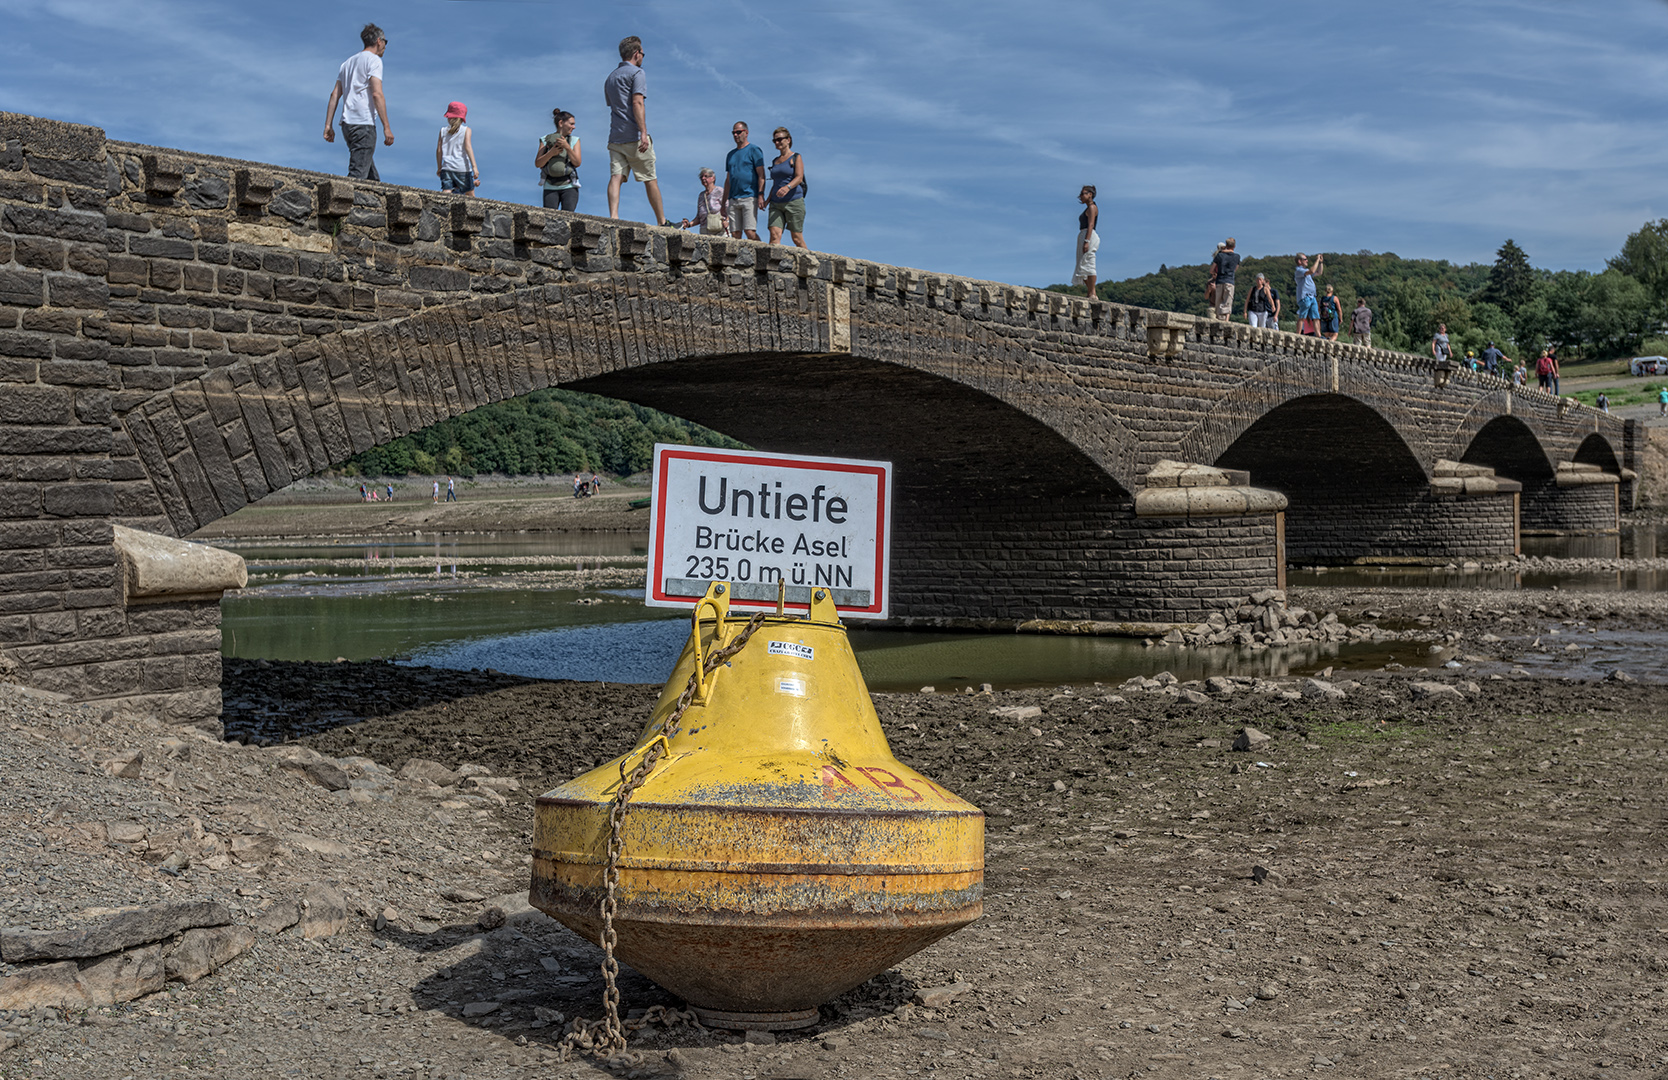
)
(1332, 526)
(1012, 559)
(60, 603)
(161, 661)
(1551, 508)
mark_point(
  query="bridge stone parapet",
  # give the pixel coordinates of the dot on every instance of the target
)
(182, 334)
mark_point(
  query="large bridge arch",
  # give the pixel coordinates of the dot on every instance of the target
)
(212, 444)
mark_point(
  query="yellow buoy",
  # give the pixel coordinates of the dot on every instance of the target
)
(777, 855)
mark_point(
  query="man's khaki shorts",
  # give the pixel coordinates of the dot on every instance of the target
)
(744, 214)
(624, 158)
(1224, 300)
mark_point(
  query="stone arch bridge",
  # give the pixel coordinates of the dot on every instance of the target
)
(181, 335)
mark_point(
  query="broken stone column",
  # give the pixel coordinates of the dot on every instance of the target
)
(1216, 522)
(159, 653)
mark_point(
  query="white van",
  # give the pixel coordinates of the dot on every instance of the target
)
(1648, 365)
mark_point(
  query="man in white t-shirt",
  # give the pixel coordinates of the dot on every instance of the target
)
(359, 89)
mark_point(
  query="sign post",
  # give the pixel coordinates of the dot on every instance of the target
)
(769, 521)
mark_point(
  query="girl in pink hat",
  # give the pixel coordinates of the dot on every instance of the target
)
(454, 155)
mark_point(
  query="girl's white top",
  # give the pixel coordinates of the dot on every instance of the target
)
(451, 150)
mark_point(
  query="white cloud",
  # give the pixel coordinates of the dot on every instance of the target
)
(953, 136)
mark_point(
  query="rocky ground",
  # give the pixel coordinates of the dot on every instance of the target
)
(1448, 873)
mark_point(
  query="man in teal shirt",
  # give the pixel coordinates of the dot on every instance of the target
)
(744, 182)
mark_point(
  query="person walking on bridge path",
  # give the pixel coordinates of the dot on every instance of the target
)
(1440, 348)
(1222, 270)
(630, 149)
(1308, 307)
(359, 89)
(1088, 241)
(454, 153)
(787, 190)
(1361, 323)
(744, 184)
(1332, 315)
(557, 160)
(1260, 303)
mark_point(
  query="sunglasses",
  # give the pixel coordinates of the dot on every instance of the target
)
(738, 133)
(780, 138)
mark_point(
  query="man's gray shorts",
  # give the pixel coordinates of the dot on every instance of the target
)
(744, 214)
(361, 141)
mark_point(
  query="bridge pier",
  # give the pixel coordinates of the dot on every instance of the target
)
(1464, 512)
(1577, 498)
(1099, 561)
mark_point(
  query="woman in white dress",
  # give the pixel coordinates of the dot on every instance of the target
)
(1088, 241)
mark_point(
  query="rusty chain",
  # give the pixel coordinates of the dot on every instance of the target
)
(606, 1038)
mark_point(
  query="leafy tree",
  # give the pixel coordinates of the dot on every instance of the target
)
(1644, 257)
(1604, 314)
(1512, 279)
(1512, 303)
(1533, 324)
(546, 432)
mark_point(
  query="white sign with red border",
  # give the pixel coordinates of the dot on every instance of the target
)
(755, 520)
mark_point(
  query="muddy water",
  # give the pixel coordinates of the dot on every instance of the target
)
(422, 600)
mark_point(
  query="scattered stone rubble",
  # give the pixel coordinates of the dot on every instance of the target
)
(1203, 691)
(137, 857)
(1264, 620)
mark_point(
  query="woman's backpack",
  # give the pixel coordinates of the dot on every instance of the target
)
(557, 169)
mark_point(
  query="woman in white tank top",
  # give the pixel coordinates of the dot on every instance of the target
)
(454, 155)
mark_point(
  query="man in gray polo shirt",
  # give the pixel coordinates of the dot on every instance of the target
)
(629, 147)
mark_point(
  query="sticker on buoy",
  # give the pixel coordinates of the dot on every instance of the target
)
(792, 648)
(771, 526)
(795, 687)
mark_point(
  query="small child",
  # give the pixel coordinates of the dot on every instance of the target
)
(454, 154)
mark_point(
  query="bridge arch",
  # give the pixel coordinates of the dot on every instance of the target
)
(1355, 489)
(983, 469)
(1512, 449)
(1595, 449)
(214, 443)
(1554, 499)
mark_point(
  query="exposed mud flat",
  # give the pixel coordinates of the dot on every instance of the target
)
(504, 506)
(1449, 873)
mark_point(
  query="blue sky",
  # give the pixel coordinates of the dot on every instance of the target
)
(954, 136)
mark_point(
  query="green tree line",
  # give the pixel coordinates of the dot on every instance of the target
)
(1620, 311)
(546, 432)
